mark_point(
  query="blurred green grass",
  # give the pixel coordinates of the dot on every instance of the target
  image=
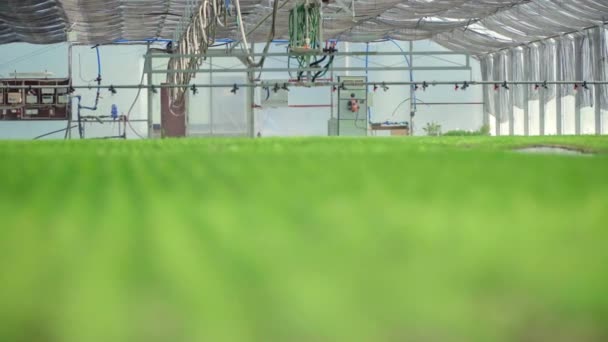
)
(422, 239)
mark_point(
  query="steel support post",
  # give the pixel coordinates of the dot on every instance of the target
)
(331, 92)
(510, 92)
(486, 111)
(150, 80)
(526, 94)
(412, 89)
(68, 132)
(250, 102)
(497, 112)
(559, 117)
(597, 89)
(541, 110)
(578, 94)
(210, 96)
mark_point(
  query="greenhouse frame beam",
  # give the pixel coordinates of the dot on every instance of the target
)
(296, 84)
(229, 54)
(339, 69)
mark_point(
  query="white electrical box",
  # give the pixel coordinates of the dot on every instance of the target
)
(31, 99)
(48, 99)
(31, 111)
(48, 91)
(63, 99)
(14, 97)
(352, 117)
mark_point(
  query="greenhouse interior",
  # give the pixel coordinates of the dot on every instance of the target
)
(303, 170)
(153, 68)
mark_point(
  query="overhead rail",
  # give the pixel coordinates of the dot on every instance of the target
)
(226, 53)
(422, 86)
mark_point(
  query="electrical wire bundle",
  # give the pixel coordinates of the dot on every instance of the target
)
(251, 63)
(330, 48)
(305, 36)
(305, 26)
(195, 40)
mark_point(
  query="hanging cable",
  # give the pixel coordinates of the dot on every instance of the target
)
(81, 127)
(55, 132)
(245, 46)
(194, 41)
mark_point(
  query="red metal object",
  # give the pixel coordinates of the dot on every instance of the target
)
(353, 105)
(172, 115)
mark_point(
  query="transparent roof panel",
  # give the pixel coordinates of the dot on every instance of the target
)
(477, 26)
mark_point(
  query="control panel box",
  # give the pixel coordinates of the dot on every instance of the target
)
(34, 99)
(352, 107)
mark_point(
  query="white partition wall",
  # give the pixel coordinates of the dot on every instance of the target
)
(571, 107)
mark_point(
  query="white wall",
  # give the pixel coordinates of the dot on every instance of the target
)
(568, 119)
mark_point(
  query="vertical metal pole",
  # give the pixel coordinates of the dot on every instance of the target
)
(541, 110)
(412, 90)
(331, 91)
(210, 96)
(578, 94)
(525, 52)
(559, 117)
(68, 132)
(597, 89)
(598, 109)
(486, 110)
(150, 80)
(485, 93)
(339, 109)
(510, 93)
(346, 60)
(368, 112)
(250, 102)
(497, 111)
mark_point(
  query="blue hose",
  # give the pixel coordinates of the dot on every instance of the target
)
(94, 108)
(97, 96)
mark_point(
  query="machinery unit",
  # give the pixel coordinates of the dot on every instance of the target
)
(352, 107)
(30, 100)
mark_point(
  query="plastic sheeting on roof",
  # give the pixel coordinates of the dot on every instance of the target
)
(94, 21)
(475, 26)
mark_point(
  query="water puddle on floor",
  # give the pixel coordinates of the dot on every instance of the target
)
(553, 150)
